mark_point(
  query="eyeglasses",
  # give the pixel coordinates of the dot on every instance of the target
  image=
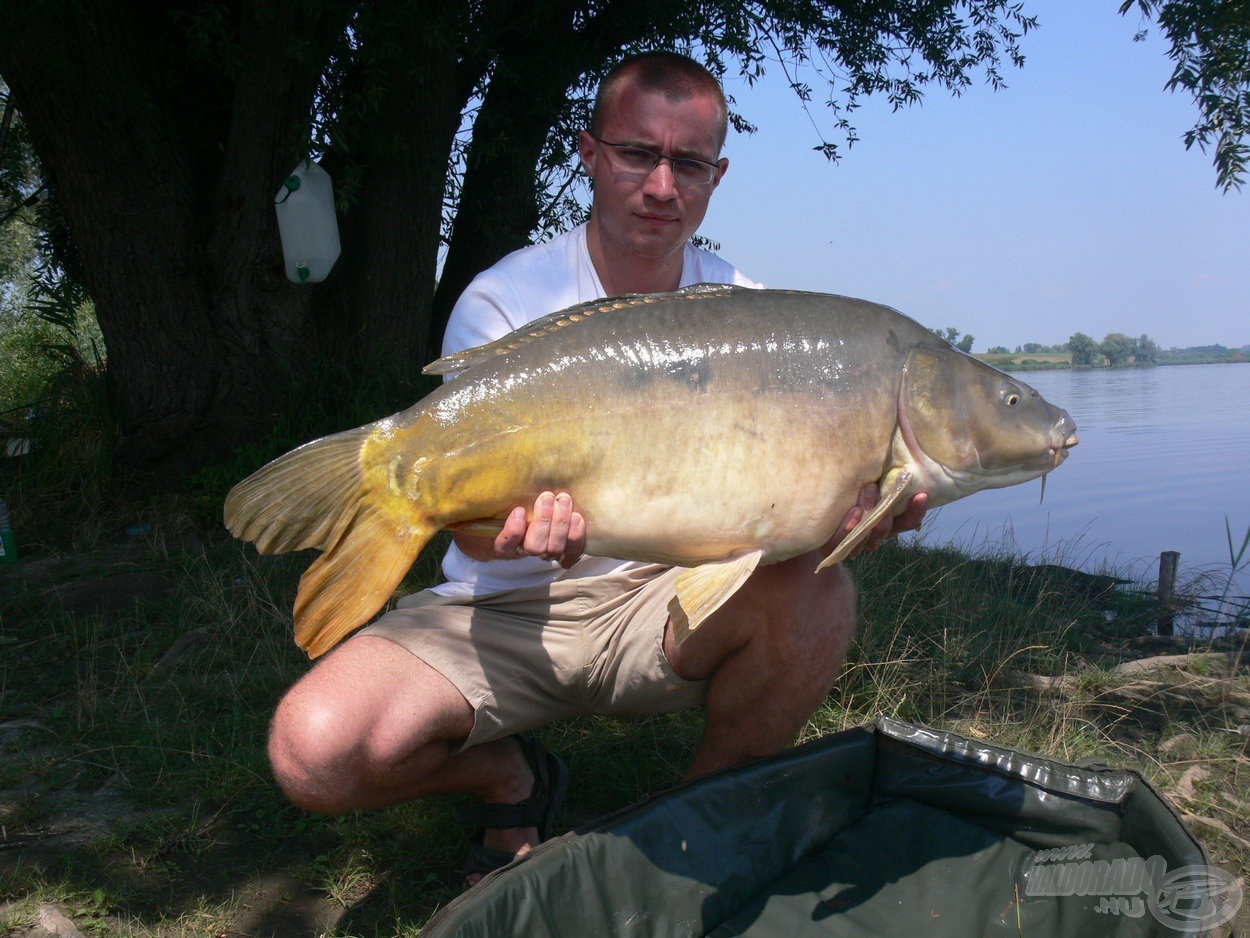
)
(687, 171)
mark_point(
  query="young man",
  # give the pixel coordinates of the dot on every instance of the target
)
(431, 698)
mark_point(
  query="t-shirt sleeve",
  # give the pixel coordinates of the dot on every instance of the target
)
(484, 313)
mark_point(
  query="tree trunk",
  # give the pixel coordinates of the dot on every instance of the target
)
(391, 250)
(165, 140)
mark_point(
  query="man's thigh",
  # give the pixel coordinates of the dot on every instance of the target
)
(529, 657)
(369, 692)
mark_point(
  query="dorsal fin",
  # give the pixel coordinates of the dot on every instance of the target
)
(471, 357)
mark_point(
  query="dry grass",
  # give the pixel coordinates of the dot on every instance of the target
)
(137, 680)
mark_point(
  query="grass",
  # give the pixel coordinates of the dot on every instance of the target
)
(137, 679)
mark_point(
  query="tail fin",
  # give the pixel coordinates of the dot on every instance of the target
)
(319, 496)
(352, 580)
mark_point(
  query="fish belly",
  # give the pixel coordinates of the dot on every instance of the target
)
(674, 478)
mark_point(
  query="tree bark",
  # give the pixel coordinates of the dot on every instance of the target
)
(166, 165)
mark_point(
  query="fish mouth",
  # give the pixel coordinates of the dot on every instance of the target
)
(1058, 454)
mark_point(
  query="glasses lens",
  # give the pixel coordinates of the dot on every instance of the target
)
(692, 172)
(635, 160)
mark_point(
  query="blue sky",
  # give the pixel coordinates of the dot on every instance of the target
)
(1065, 202)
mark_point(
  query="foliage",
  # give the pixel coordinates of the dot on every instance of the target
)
(998, 350)
(1210, 46)
(1204, 354)
(53, 389)
(951, 335)
(1084, 349)
(1118, 348)
(1147, 351)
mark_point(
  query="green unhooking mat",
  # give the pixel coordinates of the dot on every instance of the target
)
(890, 829)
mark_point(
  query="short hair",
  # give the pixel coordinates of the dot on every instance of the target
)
(671, 74)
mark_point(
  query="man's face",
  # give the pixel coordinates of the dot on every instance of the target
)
(649, 215)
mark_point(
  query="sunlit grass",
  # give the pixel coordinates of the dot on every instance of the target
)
(144, 722)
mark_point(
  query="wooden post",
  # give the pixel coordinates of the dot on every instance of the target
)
(1167, 586)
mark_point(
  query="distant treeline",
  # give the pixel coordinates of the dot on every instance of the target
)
(1204, 354)
(1116, 350)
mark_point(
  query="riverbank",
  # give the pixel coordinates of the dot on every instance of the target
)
(139, 675)
(1051, 361)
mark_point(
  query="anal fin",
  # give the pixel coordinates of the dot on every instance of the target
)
(704, 589)
(865, 526)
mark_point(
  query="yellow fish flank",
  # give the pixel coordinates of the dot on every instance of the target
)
(716, 428)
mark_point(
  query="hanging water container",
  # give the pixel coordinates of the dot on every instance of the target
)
(306, 222)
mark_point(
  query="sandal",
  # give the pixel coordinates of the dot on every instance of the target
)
(551, 780)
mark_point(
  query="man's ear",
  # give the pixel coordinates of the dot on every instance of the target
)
(587, 150)
(723, 163)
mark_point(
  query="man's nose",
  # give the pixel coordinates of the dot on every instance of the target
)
(660, 182)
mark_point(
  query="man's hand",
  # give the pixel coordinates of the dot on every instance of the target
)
(554, 531)
(887, 527)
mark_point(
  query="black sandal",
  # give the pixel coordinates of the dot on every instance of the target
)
(551, 780)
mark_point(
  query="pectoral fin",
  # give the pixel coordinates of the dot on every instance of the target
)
(703, 590)
(865, 526)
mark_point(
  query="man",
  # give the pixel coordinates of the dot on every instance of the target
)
(430, 698)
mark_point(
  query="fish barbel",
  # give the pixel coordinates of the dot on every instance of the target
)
(716, 428)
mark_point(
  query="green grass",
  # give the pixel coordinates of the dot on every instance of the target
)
(137, 681)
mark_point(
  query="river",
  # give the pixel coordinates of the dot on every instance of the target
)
(1164, 457)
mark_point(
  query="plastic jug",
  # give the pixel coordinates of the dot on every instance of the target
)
(307, 224)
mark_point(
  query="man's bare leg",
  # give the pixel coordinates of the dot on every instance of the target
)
(373, 725)
(771, 655)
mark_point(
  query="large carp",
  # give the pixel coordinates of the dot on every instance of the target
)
(716, 428)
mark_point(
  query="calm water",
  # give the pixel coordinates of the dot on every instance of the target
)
(1164, 457)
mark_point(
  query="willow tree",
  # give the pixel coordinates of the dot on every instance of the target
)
(164, 130)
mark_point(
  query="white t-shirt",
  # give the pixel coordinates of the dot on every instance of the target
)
(524, 286)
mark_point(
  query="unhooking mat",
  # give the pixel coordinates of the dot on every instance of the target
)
(889, 829)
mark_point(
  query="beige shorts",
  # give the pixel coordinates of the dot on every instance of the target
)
(527, 657)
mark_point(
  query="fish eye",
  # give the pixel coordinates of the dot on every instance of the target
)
(1010, 395)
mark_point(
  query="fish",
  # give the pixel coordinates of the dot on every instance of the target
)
(715, 428)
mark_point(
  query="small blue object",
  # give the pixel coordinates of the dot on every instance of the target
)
(8, 544)
(139, 527)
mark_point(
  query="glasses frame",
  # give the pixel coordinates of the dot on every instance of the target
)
(672, 161)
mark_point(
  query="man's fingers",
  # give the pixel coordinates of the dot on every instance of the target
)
(508, 540)
(910, 519)
(538, 536)
(867, 498)
(577, 541)
(558, 529)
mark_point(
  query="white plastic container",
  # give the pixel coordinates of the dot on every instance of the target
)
(307, 224)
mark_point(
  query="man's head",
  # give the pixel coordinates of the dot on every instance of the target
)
(671, 74)
(645, 210)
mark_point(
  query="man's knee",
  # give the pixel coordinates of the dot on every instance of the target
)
(815, 629)
(338, 734)
(310, 753)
